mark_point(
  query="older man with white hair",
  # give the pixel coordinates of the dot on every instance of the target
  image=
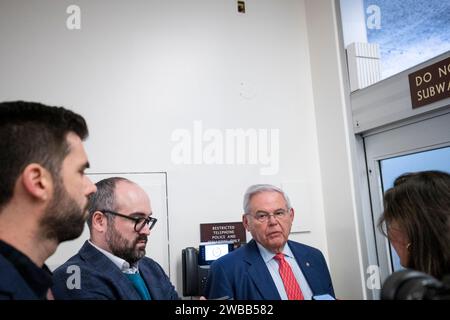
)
(269, 267)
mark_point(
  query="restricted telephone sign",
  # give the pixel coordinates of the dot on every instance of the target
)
(221, 232)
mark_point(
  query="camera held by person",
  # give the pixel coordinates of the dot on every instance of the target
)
(415, 285)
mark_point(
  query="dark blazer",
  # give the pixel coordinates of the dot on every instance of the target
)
(12, 285)
(243, 274)
(102, 279)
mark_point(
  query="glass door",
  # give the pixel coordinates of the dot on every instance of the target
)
(416, 146)
(391, 168)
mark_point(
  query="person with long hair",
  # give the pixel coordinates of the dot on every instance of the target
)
(416, 219)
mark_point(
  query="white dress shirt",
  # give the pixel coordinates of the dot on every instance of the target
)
(273, 267)
(123, 265)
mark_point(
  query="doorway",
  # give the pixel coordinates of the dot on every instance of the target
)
(415, 146)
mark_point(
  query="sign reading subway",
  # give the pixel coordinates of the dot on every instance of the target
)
(430, 84)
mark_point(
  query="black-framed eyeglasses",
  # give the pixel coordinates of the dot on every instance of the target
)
(139, 222)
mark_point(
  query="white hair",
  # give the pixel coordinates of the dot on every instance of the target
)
(258, 188)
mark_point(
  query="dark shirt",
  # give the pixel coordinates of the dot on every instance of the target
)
(38, 279)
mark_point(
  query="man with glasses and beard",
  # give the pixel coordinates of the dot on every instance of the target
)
(112, 263)
(270, 267)
(43, 192)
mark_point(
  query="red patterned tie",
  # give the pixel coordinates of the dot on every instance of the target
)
(290, 283)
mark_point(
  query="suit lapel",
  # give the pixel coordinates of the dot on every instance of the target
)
(101, 262)
(305, 265)
(151, 281)
(259, 274)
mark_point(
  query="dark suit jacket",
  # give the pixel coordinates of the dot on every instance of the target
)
(12, 285)
(243, 274)
(102, 279)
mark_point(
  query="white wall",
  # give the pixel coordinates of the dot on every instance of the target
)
(337, 149)
(138, 70)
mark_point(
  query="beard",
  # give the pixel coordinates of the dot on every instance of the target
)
(123, 248)
(63, 219)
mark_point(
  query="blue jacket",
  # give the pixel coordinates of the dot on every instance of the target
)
(102, 279)
(243, 274)
(12, 285)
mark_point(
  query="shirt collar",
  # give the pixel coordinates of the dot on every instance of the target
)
(123, 265)
(268, 255)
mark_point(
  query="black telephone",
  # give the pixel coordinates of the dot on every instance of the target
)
(190, 272)
(196, 263)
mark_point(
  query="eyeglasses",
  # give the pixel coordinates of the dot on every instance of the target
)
(262, 216)
(139, 222)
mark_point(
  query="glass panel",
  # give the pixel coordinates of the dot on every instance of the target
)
(437, 159)
(408, 32)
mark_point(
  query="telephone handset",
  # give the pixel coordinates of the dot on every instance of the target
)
(196, 263)
(190, 271)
